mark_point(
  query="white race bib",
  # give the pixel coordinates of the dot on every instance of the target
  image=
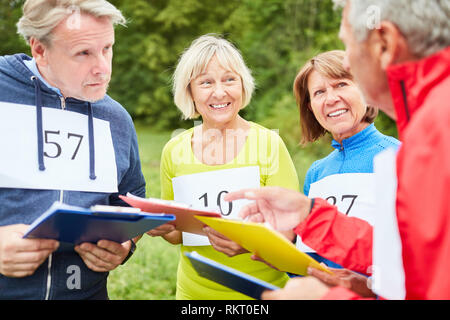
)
(352, 193)
(66, 151)
(388, 278)
(206, 191)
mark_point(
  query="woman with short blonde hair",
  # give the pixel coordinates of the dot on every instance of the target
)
(222, 154)
(194, 61)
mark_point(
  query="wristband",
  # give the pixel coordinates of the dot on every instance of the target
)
(312, 205)
(130, 253)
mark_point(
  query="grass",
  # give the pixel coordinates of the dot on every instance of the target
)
(150, 274)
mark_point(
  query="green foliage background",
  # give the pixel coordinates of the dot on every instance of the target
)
(275, 37)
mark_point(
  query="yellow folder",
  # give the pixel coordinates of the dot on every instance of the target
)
(265, 242)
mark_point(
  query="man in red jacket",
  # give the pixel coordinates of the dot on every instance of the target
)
(399, 54)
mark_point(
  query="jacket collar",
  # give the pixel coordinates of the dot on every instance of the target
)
(411, 82)
(31, 64)
(358, 139)
(21, 72)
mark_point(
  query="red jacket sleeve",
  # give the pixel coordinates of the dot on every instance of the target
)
(340, 293)
(337, 237)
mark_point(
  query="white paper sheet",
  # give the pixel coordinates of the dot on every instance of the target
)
(66, 147)
(352, 193)
(206, 191)
(388, 279)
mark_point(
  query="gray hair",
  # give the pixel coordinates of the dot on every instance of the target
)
(424, 23)
(40, 17)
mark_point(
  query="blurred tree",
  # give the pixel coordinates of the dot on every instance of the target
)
(275, 37)
(10, 13)
(146, 52)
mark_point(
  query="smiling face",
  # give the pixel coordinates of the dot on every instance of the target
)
(217, 94)
(79, 60)
(337, 104)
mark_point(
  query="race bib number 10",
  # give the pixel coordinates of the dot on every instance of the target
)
(206, 191)
(65, 148)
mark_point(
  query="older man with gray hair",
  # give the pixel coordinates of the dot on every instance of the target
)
(63, 139)
(399, 54)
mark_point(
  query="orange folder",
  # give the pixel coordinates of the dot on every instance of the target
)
(265, 242)
(185, 215)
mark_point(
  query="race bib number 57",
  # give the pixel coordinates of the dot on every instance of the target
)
(65, 149)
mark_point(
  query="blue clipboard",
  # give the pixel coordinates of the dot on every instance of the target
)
(229, 277)
(76, 225)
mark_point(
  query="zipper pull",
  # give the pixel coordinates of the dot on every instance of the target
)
(63, 102)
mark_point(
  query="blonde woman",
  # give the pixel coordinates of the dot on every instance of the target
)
(222, 154)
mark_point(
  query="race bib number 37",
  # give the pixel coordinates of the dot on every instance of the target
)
(206, 191)
(352, 193)
(65, 147)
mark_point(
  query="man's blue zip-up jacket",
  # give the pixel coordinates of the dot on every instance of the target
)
(23, 206)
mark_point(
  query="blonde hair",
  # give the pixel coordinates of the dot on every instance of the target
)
(40, 17)
(328, 64)
(194, 61)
